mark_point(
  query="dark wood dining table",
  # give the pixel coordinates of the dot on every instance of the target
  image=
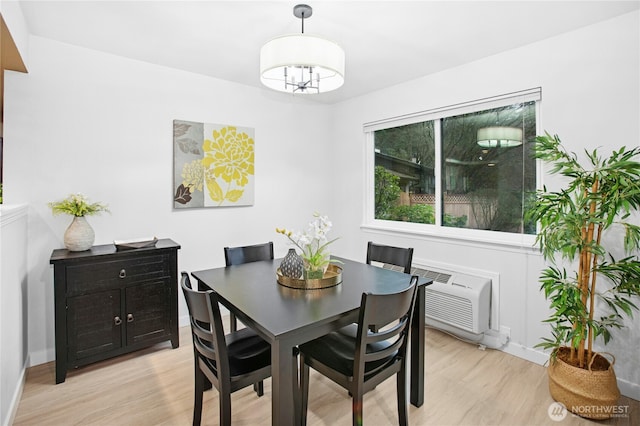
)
(287, 317)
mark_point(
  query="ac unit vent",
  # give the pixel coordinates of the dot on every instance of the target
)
(393, 267)
(435, 276)
(439, 277)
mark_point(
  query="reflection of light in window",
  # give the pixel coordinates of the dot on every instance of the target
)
(499, 137)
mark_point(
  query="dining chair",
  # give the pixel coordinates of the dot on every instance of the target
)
(230, 362)
(397, 256)
(246, 254)
(361, 360)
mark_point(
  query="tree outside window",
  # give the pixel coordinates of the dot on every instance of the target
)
(483, 185)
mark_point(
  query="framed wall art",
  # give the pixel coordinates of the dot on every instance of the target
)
(213, 165)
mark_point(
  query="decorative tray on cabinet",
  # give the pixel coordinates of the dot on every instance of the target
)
(135, 243)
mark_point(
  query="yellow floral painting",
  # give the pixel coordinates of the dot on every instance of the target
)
(213, 165)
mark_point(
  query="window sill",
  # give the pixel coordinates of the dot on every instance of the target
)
(503, 240)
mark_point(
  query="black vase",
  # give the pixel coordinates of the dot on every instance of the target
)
(291, 265)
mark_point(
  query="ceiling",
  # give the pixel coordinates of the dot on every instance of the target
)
(386, 42)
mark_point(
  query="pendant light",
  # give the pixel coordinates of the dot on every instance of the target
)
(302, 63)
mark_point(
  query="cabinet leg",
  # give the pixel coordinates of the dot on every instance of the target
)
(61, 373)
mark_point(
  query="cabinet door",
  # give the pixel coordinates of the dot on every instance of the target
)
(147, 312)
(94, 324)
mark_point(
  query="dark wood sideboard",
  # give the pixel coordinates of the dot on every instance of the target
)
(109, 302)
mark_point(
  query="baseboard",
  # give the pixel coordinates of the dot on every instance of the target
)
(17, 395)
(628, 389)
(527, 353)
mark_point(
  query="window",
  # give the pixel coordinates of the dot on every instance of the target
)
(466, 166)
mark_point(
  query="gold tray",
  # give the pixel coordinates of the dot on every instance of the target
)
(332, 277)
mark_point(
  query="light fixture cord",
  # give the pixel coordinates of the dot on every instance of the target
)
(302, 22)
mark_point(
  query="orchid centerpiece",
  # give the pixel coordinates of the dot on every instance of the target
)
(313, 243)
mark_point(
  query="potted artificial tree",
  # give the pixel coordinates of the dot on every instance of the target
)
(585, 224)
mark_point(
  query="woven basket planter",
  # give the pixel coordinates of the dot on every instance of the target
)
(585, 392)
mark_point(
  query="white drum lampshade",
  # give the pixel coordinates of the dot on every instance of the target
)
(499, 137)
(302, 64)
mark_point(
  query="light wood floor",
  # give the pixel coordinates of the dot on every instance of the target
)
(464, 386)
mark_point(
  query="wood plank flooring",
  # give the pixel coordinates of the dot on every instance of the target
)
(464, 386)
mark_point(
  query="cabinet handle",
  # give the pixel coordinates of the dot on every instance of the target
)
(123, 273)
(129, 317)
(117, 321)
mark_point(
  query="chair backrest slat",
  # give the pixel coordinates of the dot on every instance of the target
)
(388, 351)
(247, 254)
(386, 333)
(397, 256)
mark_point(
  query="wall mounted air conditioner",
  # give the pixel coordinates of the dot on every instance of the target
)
(459, 301)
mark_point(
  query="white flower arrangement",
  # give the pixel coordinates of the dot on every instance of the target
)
(313, 242)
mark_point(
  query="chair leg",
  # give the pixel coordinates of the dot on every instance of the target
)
(259, 388)
(233, 321)
(197, 400)
(225, 407)
(356, 408)
(297, 400)
(304, 390)
(401, 391)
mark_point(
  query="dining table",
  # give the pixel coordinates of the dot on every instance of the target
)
(287, 317)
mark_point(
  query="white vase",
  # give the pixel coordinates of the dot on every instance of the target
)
(79, 236)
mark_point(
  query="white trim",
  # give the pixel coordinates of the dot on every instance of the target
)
(524, 352)
(11, 213)
(472, 237)
(437, 170)
(369, 193)
(17, 395)
(629, 389)
(534, 94)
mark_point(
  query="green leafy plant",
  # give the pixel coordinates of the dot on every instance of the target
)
(417, 213)
(77, 205)
(573, 222)
(454, 221)
(387, 192)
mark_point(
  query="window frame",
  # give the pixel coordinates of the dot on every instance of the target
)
(437, 230)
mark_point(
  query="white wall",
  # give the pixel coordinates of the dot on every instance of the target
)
(83, 121)
(590, 97)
